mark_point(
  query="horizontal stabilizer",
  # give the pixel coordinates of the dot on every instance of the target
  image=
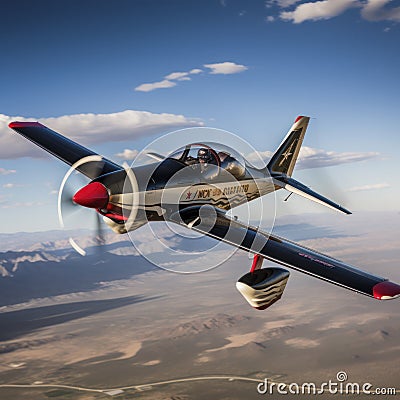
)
(294, 186)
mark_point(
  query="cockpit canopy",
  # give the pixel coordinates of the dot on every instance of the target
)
(204, 154)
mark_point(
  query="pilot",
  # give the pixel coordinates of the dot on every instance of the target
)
(204, 156)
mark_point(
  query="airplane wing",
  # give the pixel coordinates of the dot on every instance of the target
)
(63, 148)
(214, 223)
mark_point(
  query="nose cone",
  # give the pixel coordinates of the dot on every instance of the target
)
(93, 195)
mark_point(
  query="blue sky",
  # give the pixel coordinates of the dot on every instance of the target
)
(335, 60)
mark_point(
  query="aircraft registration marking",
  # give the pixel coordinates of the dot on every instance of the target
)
(326, 264)
(215, 191)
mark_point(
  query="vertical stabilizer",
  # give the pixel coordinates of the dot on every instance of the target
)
(284, 159)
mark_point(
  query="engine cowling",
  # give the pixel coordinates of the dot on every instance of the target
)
(263, 287)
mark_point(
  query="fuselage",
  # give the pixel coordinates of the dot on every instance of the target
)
(171, 185)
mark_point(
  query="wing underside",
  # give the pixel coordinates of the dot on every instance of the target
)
(216, 224)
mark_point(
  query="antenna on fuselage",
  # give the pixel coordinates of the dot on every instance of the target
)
(287, 198)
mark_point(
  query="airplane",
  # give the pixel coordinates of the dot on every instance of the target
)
(194, 187)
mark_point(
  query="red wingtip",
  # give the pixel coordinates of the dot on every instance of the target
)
(386, 290)
(17, 124)
(298, 118)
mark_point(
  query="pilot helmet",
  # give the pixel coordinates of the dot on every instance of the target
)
(204, 155)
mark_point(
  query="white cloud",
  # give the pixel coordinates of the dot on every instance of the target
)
(128, 154)
(316, 158)
(183, 76)
(23, 204)
(371, 10)
(171, 79)
(12, 185)
(176, 75)
(281, 3)
(270, 18)
(148, 87)
(375, 10)
(255, 156)
(374, 186)
(325, 9)
(226, 68)
(168, 81)
(4, 171)
(90, 128)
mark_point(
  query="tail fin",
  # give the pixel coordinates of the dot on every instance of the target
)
(284, 159)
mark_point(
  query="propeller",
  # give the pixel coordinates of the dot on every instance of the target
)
(91, 195)
(96, 196)
(154, 156)
(134, 201)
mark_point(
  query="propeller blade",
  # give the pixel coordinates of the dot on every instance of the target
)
(66, 201)
(132, 184)
(155, 156)
(93, 167)
(99, 231)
